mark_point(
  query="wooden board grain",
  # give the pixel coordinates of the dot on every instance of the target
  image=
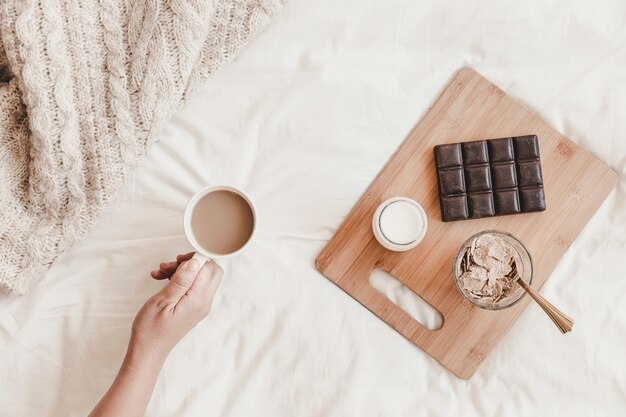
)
(469, 108)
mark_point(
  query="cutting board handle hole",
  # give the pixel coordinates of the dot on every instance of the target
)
(402, 296)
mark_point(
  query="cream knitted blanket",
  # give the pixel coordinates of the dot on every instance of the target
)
(91, 82)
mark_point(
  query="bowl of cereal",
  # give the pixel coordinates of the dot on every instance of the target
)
(485, 269)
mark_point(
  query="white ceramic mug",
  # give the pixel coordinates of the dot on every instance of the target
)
(202, 254)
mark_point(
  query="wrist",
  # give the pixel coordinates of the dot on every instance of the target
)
(143, 355)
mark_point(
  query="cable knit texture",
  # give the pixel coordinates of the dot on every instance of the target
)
(85, 86)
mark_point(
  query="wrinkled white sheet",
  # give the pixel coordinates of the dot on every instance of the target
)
(303, 120)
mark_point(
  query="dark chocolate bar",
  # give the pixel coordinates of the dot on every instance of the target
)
(489, 178)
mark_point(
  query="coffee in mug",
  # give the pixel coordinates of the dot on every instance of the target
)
(219, 222)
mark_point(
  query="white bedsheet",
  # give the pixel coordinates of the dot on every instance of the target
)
(303, 120)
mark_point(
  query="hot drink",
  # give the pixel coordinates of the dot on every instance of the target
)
(222, 222)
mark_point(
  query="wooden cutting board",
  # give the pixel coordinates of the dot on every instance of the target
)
(469, 108)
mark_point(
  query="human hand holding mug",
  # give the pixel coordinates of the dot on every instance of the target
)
(218, 222)
(162, 321)
(169, 314)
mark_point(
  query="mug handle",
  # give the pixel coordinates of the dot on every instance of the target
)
(201, 258)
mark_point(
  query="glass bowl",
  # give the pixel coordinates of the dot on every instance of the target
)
(524, 268)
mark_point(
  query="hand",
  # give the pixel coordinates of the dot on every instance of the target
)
(165, 318)
(169, 314)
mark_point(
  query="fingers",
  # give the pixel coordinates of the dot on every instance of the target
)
(158, 274)
(167, 269)
(211, 278)
(216, 280)
(182, 279)
(205, 286)
(184, 257)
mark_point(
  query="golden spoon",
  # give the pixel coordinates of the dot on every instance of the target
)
(562, 320)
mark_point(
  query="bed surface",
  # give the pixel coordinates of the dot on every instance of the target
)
(303, 120)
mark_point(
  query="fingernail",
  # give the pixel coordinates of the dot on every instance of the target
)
(194, 264)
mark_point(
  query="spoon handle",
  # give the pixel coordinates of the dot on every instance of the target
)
(562, 321)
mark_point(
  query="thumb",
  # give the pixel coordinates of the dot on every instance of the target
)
(183, 279)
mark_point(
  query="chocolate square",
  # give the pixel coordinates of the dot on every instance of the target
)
(526, 147)
(500, 150)
(506, 202)
(489, 177)
(477, 178)
(529, 173)
(532, 199)
(480, 205)
(454, 208)
(503, 176)
(451, 181)
(448, 155)
(475, 152)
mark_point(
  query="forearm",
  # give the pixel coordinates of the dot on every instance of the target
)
(131, 391)
(160, 324)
